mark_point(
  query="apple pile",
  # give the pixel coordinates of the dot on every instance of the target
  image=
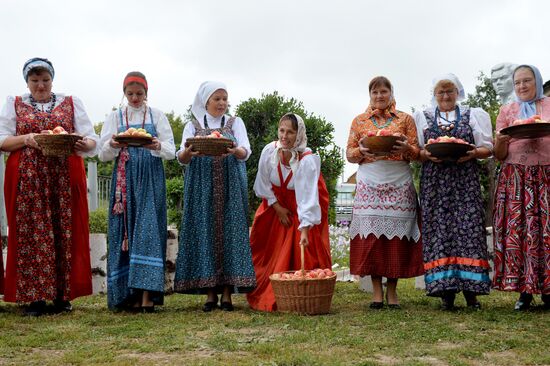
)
(135, 132)
(450, 139)
(382, 132)
(315, 274)
(215, 134)
(534, 119)
(56, 131)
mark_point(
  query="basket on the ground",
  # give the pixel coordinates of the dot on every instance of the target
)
(305, 296)
(57, 145)
(380, 145)
(213, 146)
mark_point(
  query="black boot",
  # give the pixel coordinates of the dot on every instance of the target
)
(545, 301)
(36, 308)
(471, 300)
(62, 306)
(524, 302)
(448, 300)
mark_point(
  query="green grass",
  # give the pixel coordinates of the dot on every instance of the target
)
(181, 334)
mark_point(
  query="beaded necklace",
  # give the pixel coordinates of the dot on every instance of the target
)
(206, 122)
(388, 121)
(451, 124)
(52, 101)
(142, 123)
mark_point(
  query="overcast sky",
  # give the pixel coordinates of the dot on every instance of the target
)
(323, 53)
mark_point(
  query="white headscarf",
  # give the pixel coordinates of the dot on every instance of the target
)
(203, 94)
(453, 79)
(299, 145)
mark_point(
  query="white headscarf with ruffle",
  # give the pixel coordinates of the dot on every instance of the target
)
(453, 79)
(201, 98)
(299, 147)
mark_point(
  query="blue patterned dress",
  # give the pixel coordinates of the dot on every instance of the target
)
(214, 246)
(142, 266)
(453, 230)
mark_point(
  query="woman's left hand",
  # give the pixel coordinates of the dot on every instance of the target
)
(401, 146)
(154, 145)
(84, 145)
(471, 154)
(304, 237)
(239, 152)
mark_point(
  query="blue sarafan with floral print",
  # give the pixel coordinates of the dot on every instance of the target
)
(453, 230)
(214, 245)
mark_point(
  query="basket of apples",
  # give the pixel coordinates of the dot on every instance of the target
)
(214, 144)
(532, 127)
(134, 137)
(448, 148)
(304, 292)
(381, 142)
(56, 142)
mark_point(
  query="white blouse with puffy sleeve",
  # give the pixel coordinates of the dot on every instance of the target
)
(82, 124)
(135, 119)
(307, 193)
(480, 122)
(239, 131)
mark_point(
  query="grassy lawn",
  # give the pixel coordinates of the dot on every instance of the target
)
(181, 334)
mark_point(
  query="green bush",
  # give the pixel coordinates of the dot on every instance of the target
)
(98, 221)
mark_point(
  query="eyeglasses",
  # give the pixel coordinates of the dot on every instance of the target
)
(446, 92)
(524, 81)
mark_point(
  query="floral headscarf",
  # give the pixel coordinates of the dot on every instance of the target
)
(299, 145)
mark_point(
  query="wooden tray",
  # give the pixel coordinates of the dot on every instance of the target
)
(527, 131)
(135, 141)
(380, 145)
(211, 146)
(56, 145)
(448, 151)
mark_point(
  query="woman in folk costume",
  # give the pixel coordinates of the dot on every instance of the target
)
(214, 248)
(294, 210)
(453, 215)
(46, 197)
(384, 232)
(137, 214)
(521, 212)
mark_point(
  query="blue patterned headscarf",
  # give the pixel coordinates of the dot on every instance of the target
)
(528, 107)
(35, 62)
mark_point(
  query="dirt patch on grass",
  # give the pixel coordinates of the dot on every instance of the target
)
(503, 358)
(447, 345)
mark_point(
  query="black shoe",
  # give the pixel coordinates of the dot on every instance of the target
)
(524, 302)
(148, 309)
(62, 306)
(448, 301)
(376, 305)
(545, 301)
(35, 308)
(394, 306)
(226, 306)
(210, 305)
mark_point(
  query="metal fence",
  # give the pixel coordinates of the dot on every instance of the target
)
(103, 191)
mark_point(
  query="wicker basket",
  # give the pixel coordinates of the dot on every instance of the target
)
(307, 296)
(212, 146)
(380, 145)
(57, 145)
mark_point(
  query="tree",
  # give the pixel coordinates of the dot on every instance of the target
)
(261, 117)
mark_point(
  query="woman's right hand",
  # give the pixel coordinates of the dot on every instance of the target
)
(366, 152)
(187, 154)
(116, 145)
(426, 155)
(283, 214)
(29, 141)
